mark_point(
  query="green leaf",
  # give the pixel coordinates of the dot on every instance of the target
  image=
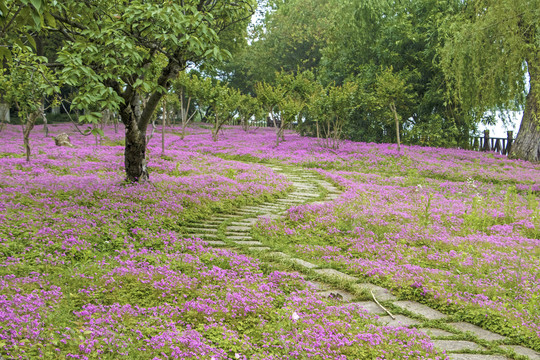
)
(5, 54)
(51, 21)
(97, 131)
(37, 4)
(37, 19)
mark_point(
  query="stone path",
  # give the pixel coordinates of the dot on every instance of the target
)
(458, 339)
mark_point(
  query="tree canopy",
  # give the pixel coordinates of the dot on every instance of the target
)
(456, 63)
(492, 59)
(123, 55)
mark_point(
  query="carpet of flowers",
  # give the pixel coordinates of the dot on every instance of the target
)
(92, 268)
(458, 230)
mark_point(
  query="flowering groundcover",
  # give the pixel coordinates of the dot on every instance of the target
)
(92, 268)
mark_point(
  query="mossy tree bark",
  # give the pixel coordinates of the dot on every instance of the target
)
(527, 145)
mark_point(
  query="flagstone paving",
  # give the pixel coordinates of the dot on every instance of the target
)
(477, 331)
(380, 293)
(303, 263)
(456, 345)
(436, 333)
(531, 354)
(420, 309)
(370, 307)
(476, 357)
(236, 234)
(398, 321)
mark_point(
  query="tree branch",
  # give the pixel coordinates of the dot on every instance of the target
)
(69, 22)
(169, 72)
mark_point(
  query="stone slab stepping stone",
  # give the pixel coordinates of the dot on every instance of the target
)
(476, 357)
(239, 237)
(247, 212)
(400, 321)
(248, 243)
(456, 345)
(202, 236)
(209, 223)
(303, 194)
(337, 294)
(477, 331)
(370, 307)
(302, 200)
(271, 207)
(222, 217)
(244, 222)
(259, 248)
(335, 274)
(238, 228)
(236, 233)
(530, 353)
(279, 254)
(270, 216)
(431, 332)
(303, 263)
(201, 230)
(215, 243)
(381, 294)
(420, 309)
(318, 285)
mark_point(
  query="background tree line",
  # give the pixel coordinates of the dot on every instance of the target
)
(423, 72)
(443, 66)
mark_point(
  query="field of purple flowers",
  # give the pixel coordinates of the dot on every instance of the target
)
(91, 268)
(457, 230)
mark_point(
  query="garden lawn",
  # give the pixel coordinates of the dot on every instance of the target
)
(458, 230)
(93, 268)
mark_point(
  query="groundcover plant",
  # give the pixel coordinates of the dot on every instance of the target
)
(455, 229)
(93, 268)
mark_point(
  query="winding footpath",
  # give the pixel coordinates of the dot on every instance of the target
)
(465, 342)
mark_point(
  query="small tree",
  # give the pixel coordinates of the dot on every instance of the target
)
(285, 100)
(270, 96)
(26, 81)
(222, 100)
(248, 107)
(392, 91)
(331, 107)
(186, 88)
(225, 107)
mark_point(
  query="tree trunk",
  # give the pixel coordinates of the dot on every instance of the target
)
(27, 128)
(136, 119)
(215, 130)
(280, 133)
(135, 153)
(44, 116)
(527, 145)
(163, 122)
(4, 112)
(396, 119)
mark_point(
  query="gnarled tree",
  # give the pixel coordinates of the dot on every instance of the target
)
(110, 52)
(26, 81)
